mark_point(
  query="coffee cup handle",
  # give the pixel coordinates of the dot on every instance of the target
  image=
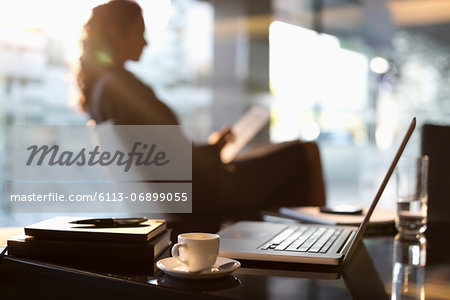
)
(175, 252)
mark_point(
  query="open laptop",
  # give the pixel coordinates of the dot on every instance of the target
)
(301, 243)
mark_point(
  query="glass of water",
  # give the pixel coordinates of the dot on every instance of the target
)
(412, 195)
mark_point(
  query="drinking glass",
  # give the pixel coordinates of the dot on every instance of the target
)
(412, 195)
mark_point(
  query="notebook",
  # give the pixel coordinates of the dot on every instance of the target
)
(59, 227)
(301, 243)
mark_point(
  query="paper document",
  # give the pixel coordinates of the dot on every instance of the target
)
(244, 130)
(312, 214)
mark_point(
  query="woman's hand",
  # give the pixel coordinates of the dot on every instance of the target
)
(221, 137)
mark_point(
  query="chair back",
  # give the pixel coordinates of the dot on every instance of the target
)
(436, 144)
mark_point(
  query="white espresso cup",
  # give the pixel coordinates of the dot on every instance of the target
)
(197, 251)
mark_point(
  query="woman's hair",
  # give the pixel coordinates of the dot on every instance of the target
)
(98, 46)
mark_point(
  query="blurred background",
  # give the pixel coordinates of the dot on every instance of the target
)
(348, 74)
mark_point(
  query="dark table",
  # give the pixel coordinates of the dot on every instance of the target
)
(369, 275)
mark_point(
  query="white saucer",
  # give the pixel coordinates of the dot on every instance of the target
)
(171, 266)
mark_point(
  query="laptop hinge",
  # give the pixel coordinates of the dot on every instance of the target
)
(347, 243)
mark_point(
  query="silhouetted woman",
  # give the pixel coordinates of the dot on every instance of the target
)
(282, 174)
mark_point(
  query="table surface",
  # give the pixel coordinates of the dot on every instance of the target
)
(20, 277)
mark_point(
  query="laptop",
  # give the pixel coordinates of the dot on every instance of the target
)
(301, 243)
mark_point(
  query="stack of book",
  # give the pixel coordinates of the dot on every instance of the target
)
(130, 249)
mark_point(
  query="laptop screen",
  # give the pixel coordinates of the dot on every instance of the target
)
(364, 223)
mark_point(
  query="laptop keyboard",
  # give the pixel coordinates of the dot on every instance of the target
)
(303, 239)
